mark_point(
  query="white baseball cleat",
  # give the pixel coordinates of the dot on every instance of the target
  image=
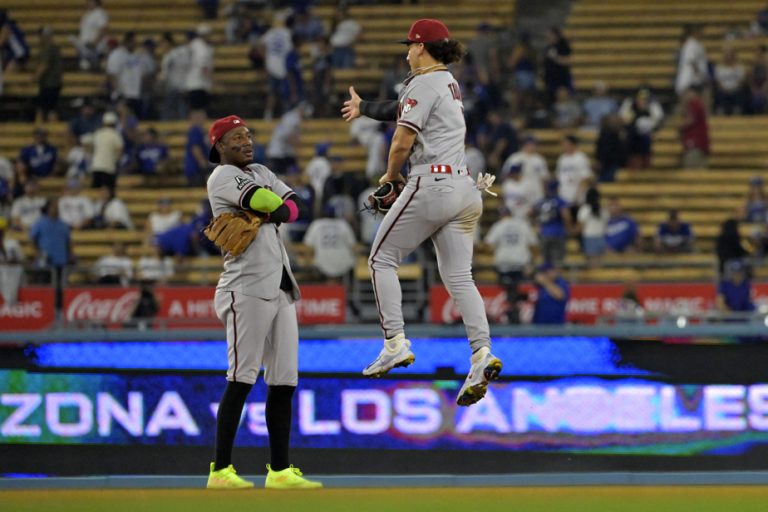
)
(395, 354)
(485, 368)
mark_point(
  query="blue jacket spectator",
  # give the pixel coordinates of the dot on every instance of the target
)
(622, 231)
(734, 293)
(497, 139)
(151, 153)
(553, 293)
(39, 159)
(599, 105)
(87, 120)
(14, 50)
(51, 237)
(178, 241)
(554, 219)
(674, 236)
(196, 152)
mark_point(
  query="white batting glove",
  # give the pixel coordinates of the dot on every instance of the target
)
(484, 182)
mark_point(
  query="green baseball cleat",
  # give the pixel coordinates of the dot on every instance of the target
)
(289, 478)
(226, 478)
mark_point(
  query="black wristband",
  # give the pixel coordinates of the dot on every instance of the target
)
(379, 110)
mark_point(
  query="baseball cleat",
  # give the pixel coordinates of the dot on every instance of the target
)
(226, 479)
(289, 478)
(395, 354)
(485, 368)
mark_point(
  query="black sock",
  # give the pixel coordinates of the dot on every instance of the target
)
(278, 412)
(227, 421)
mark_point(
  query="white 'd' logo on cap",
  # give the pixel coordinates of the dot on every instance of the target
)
(236, 121)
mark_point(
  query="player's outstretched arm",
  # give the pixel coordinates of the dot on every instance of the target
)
(355, 107)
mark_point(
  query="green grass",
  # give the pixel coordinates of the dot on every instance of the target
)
(513, 499)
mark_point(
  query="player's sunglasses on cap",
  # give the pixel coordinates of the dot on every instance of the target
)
(427, 31)
(218, 129)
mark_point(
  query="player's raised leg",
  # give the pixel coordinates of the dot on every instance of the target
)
(454, 244)
(402, 230)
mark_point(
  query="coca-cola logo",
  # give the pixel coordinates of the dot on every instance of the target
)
(84, 306)
(495, 307)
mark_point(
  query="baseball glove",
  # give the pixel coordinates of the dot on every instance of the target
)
(233, 232)
(385, 196)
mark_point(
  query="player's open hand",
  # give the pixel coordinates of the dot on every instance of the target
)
(351, 108)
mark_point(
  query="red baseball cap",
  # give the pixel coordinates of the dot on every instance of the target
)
(427, 31)
(217, 131)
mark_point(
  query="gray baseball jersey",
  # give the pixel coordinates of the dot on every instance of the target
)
(431, 105)
(259, 317)
(440, 201)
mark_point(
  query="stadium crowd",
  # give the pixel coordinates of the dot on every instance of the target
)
(507, 96)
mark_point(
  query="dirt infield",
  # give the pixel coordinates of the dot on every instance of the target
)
(518, 499)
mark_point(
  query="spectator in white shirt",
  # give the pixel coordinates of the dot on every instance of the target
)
(333, 242)
(475, 159)
(75, 209)
(516, 193)
(730, 83)
(153, 266)
(512, 239)
(111, 212)
(318, 169)
(573, 173)
(11, 272)
(128, 69)
(534, 168)
(592, 220)
(27, 209)
(91, 43)
(174, 67)
(107, 149)
(115, 268)
(368, 220)
(163, 219)
(276, 44)
(692, 66)
(346, 31)
(199, 81)
(282, 149)
(79, 157)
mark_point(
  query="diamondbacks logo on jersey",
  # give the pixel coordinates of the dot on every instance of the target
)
(409, 104)
(241, 182)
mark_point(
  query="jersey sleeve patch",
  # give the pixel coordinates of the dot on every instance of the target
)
(409, 104)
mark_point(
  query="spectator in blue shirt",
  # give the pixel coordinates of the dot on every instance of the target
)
(756, 206)
(553, 293)
(178, 241)
(497, 139)
(734, 293)
(14, 50)
(622, 231)
(87, 120)
(151, 153)
(553, 216)
(50, 236)
(39, 159)
(599, 105)
(674, 236)
(196, 152)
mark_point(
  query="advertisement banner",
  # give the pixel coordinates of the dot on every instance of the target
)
(584, 415)
(34, 310)
(189, 306)
(589, 301)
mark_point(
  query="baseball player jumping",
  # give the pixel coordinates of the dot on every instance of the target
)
(440, 201)
(255, 299)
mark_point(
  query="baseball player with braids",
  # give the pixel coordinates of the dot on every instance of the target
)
(255, 299)
(439, 201)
